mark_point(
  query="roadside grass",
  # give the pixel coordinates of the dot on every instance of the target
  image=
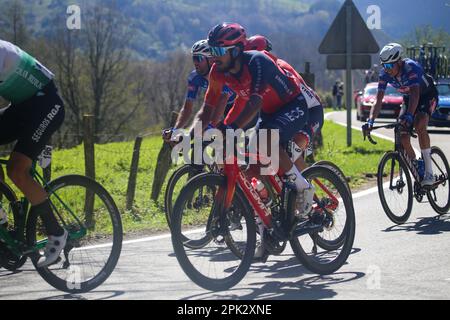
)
(358, 162)
(113, 164)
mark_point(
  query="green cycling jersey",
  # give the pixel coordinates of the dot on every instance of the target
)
(21, 75)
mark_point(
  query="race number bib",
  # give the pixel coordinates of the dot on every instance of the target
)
(45, 158)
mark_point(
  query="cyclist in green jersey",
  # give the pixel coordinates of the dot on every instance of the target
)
(35, 112)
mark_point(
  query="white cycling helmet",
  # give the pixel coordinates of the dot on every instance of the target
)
(201, 48)
(391, 53)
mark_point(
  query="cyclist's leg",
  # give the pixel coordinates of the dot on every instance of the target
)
(304, 138)
(405, 138)
(40, 117)
(422, 116)
(9, 131)
(288, 121)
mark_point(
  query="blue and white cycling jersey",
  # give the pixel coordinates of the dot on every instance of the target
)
(412, 74)
(197, 82)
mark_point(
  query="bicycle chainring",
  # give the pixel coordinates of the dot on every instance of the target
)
(418, 192)
(9, 260)
(272, 245)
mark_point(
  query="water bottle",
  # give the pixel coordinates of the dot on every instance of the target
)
(421, 168)
(3, 217)
(262, 191)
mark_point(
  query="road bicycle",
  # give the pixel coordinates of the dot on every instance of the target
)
(180, 177)
(395, 187)
(238, 214)
(86, 210)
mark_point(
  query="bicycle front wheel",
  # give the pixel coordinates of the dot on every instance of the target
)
(87, 211)
(395, 188)
(214, 266)
(176, 182)
(439, 196)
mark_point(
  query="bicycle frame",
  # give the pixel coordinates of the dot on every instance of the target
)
(18, 246)
(235, 176)
(401, 151)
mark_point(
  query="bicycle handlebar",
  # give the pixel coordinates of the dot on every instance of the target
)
(397, 125)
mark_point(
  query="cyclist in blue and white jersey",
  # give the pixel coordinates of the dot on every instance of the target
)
(420, 98)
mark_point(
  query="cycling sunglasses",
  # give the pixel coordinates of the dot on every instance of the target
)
(388, 66)
(219, 51)
(198, 58)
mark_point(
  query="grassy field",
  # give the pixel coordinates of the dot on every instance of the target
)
(357, 161)
(113, 163)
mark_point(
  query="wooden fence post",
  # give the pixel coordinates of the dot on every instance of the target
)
(89, 160)
(131, 189)
(162, 165)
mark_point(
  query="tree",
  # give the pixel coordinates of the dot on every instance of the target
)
(425, 34)
(107, 39)
(12, 21)
(69, 73)
(166, 85)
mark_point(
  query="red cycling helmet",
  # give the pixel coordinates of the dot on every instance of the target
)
(258, 42)
(227, 35)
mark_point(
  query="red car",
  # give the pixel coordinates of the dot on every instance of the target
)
(391, 106)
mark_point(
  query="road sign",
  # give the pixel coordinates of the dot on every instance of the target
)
(339, 61)
(348, 41)
(335, 40)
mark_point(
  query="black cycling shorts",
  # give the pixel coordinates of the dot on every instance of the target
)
(32, 122)
(427, 103)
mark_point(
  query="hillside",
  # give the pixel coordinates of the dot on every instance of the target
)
(160, 27)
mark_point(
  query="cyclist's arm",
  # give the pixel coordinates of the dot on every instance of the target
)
(185, 114)
(251, 109)
(375, 110)
(414, 74)
(212, 98)
(414, 96)
(220, 109)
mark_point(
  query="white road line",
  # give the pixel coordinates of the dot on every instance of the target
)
(147, 239)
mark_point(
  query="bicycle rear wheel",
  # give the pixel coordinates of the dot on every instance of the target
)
(395, 188)
(88, 212)
(214, 266)
(336, 170)
(332, 209)
(336, 242)
(439, 197)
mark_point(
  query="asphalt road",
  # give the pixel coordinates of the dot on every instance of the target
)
(387, 262)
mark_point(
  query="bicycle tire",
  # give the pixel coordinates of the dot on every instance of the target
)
(46, 272)
(397, 219)
(337, 243)
(440, 209)
(208, 179)
(337, 170)
(174, 178)
(349, 229)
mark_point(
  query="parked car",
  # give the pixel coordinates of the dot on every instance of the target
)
(441, 115)
(391, 105)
